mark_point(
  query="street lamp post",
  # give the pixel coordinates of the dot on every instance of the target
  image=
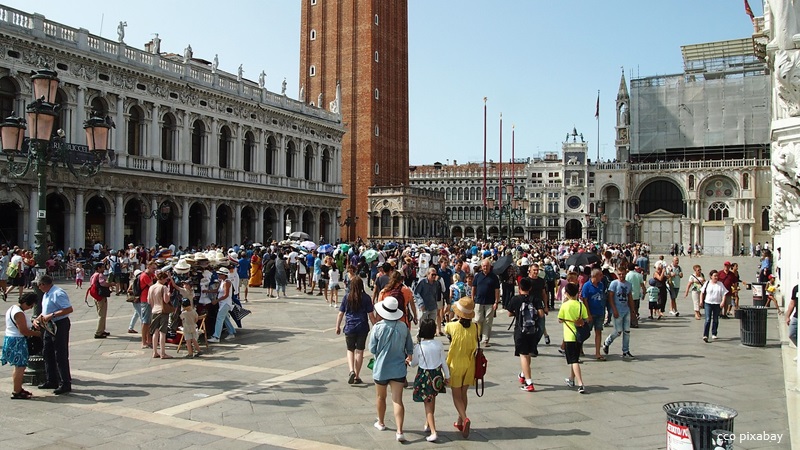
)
(43, 150)
(348, 222)
(515, 208)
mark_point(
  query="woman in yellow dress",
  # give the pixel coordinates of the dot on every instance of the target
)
(255, 270)
(463, 335)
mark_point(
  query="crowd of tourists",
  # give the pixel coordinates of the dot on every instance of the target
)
(395, 300)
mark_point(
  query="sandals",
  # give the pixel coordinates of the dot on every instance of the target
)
(600, 358)
(21, 395)
(465, 431)
(458, 426)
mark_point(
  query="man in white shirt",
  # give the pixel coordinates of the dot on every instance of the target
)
(292, 266)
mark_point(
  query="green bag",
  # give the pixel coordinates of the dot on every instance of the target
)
(12, 270)
(371, 363)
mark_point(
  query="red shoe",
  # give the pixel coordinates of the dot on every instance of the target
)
(458, 426)
(521, 379)
(465, 431)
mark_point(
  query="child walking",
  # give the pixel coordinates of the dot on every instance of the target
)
(189, 321)
(334, 284)
(652, 299)
(432, 374)
(79, 272)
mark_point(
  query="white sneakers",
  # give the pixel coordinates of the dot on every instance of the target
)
(379, 426)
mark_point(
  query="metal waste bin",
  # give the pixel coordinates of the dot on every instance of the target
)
(753, 325)
(692, 423)
(759, 294)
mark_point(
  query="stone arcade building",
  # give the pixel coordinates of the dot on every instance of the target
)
(201, 155)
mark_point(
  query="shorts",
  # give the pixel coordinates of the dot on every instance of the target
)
(244, 282)
(524, 344)
(572, 351)
(356, 341)
(334, 286)
(18, 281)
(113, 278)
(146, 313)
(386, 382)
(673, 293)
(652, 305)
(160, 323)
(597, 322)
(125, 278)
(315, 277)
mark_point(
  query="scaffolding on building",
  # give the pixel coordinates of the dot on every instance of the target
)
(718, 108)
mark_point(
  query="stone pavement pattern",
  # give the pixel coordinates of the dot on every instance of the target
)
(282, 384)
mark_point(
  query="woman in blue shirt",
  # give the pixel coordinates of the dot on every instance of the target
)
(355, 309)
(390, 343)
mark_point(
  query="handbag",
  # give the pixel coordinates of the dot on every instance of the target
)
(480, 368)
(167, 308)
(12, 270)
(583, 329)
(238, 313)
(102, 291)
(371, 364)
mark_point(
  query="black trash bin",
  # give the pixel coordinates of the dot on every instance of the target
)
(753, 325)
(699, 420)
(759, 294)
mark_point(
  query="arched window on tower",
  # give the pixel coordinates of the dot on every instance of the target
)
(718, 211)
(765, 219)
(313, 35)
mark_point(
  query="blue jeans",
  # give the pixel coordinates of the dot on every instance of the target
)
(622, 326)
(711, 310)
(137, 314)
(793, 330)
(223, 317)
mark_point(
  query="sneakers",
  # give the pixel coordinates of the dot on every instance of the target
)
(432, 438)
(400, 437)
(379, 426)
(528, 388)
(674, 313)
(570, 383)
(581, 390)
(628, 355)
(352, 378)
(547, 340)
(230, 337)
(521, 379)
(714, 337)
(605, 348)
(705, 338)
(213, 339)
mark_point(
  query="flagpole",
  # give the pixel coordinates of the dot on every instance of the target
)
(484, 169)
(500, 182)
(597, 115)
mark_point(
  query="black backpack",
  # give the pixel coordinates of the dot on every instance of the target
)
(527, 318)
(137, 286)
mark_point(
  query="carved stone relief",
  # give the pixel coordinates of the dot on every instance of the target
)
(785, 185)
(787, 81)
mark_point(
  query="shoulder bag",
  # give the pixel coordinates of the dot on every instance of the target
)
(480, 366)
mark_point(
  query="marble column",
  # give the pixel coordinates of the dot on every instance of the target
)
(212, 224)
(118, 241)
(237, 224)
(184, 238)
(152, 235)
(80, 137)
(80, 221)
(185, 145)
(119, 136)
(155, 133)
(260, 224)
(213, 156)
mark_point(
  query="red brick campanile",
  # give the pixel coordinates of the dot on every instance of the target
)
(362, 44)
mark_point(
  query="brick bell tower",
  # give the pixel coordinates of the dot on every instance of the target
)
(363, 46)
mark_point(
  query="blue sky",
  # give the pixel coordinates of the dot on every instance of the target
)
(539, 63)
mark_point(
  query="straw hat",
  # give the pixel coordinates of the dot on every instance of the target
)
(389, 309)
(464, 308)
(182, 267)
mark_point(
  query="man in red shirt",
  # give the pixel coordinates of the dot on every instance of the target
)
(727, 278)
(146, 279)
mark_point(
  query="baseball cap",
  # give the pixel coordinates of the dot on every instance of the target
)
(727, 263)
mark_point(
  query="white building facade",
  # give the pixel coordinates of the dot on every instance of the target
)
(200, 155)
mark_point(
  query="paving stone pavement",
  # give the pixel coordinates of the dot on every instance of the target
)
(283, 384)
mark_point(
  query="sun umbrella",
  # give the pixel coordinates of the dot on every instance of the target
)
(326, 248)
(502, 264)
(286, 243)
(370, 255)
(582, 259)
(344, 247)
(308, 245)
(299, 236)
(390, 246)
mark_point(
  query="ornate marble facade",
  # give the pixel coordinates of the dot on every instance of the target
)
(201, 155)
